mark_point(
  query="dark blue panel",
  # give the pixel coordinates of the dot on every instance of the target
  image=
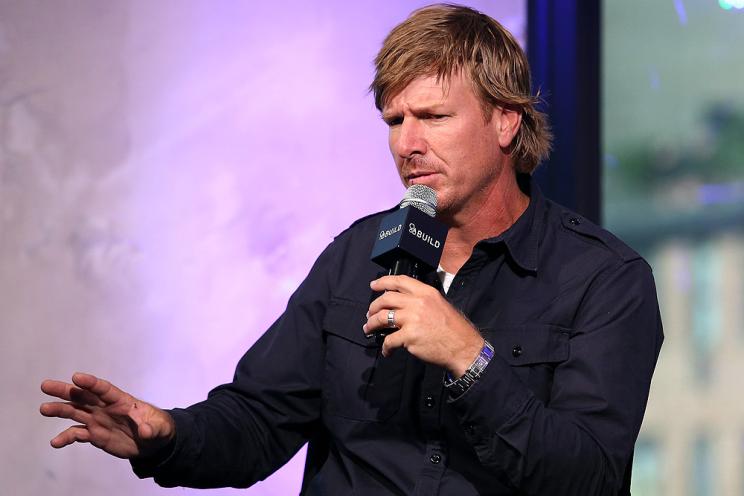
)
(563, 47)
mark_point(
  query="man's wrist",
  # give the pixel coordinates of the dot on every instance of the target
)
(458, 386)
(465, 356)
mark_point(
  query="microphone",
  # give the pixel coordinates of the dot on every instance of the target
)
(411, 240)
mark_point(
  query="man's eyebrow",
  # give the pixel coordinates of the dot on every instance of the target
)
(430, 108)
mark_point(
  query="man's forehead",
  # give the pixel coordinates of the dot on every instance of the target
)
(426, 90)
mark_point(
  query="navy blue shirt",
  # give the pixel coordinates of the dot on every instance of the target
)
(572, 314)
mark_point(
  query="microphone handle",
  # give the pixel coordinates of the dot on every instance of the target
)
(405, 266)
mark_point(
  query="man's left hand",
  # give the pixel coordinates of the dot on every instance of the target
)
(428, 326)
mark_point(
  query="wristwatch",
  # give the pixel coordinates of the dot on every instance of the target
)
(457, 387)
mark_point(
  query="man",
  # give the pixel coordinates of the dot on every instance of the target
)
(523, 369)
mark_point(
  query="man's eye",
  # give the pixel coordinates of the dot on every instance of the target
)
(393, 121)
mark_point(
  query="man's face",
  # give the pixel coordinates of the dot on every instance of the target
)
(443, 140)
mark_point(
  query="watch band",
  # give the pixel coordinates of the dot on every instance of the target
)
(458, 386)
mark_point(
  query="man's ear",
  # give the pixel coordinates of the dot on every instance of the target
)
(508, 122)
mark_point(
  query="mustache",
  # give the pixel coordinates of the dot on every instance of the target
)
(418, 165)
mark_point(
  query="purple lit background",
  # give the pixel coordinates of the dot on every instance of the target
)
(168, 173)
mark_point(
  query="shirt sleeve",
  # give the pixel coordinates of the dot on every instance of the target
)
(247, 429)
(581, 440)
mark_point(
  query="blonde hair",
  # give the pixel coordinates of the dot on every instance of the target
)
(443, 39)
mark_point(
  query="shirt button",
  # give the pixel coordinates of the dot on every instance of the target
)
(517, 351)
(574, 221)
(469, 429)
(429, 402)
(435, 459)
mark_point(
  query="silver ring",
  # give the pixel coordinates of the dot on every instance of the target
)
(391, 319)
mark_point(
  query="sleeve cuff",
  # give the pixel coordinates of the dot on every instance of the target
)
(493, 400)
(158, 462)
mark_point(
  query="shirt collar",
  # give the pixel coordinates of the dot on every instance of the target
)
(522, 239)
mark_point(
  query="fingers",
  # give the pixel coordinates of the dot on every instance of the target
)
(379, 320)
(401, 284)
(65, 410)
(103, 389)
(57, 388)
(69, 392)
(389, 301)
(403, 303)
(392, 342)
(76, 433)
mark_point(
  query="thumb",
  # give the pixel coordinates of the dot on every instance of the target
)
(151, 422)
(145, 431)
(157, 427)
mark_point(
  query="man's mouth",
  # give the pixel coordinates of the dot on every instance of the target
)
(419, 177)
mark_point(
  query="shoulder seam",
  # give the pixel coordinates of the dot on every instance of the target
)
(612, 243)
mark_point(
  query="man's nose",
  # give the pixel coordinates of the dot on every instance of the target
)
(411, 139)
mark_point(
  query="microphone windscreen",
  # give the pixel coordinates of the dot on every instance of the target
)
(421, 197)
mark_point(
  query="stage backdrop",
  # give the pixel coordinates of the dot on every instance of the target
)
(168, 172)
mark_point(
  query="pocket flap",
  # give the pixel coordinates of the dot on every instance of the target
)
(530, 343)
(345, 318)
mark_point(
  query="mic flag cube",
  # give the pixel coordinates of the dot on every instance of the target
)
(409, 235)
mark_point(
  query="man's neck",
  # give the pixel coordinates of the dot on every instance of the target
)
(501, 208)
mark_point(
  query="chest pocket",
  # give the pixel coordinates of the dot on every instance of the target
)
(359, 383)
(533, 350)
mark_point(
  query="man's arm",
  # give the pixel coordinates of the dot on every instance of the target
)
(580, 442)
(247, 429)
